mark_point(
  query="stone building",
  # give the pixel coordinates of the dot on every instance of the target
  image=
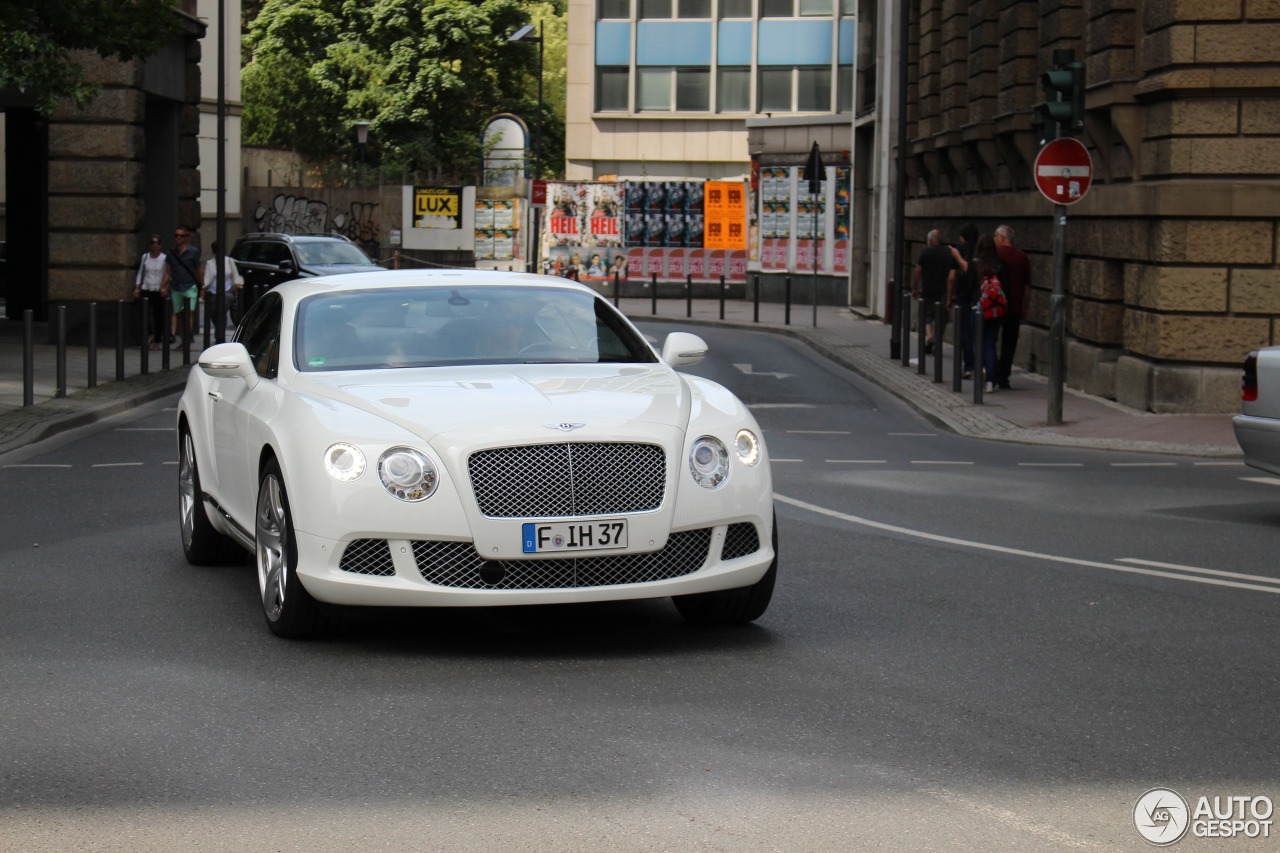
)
(1173, 273)
(84, 188)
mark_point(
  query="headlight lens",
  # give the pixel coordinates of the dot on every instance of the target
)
(344, 462)
(748, 447)
(407, 474)
(709, 462)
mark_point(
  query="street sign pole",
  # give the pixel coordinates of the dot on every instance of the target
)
(1063, 172)
(1057, 316)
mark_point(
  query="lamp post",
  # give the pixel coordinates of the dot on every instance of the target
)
(362, 138)
(525, 34)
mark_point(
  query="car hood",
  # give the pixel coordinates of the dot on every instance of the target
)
(433, 401)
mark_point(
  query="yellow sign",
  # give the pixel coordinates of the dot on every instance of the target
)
(436, 207)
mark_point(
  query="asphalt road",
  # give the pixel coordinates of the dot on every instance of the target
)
(973, 646)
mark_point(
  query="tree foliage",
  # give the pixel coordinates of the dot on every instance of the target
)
(39, 39)
(427, 74)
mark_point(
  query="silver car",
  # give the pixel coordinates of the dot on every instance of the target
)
(1258, 425)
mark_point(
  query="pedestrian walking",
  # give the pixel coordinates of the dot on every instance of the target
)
(932, 282)
(992, 302)
(1017, 284)
(965, 293)
(231, 285)
(184, 282)
(152, 283)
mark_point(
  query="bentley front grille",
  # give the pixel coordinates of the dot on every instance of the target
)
(568, 479)
(456, 564)
(740, 540)
(368, 557)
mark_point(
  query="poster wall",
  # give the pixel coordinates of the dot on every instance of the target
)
(639, 229)
(495, 228)
(798, 229)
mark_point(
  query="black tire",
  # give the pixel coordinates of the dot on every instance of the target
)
(732, 606)
(289, 609)
(201, 543)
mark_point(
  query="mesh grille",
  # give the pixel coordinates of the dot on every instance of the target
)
(456, 564)
(740, 540)
(368, 557)
(565, 480)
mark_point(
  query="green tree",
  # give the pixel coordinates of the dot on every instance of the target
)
(426, 73)
(39, 39)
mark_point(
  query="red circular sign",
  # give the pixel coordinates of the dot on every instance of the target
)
(1063, 170)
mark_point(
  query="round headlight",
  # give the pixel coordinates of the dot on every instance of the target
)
(344, 462)
(407, 474)
(709, 462)
(748, 447)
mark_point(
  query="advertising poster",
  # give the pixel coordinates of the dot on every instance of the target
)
(484, 245)
(562, 226)
(484, 216)
(602, 213)
(437, 207)
(725, 215)
(504, 244)
(504, 214)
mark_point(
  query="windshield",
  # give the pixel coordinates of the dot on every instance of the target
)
(433, 326)
(327, 254)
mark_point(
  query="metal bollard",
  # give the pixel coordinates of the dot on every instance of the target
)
(119, 339)
(904, 334)
(979, 359)
(722, 296)
(957, 351)
(921, 313)
(164, 333)
(615, 288)
(93, 345)
(61, 316)
(144, 358)
(939, 313)
(688, 295)
(786, 316)
(28, 358)
(653, 295)
(755, 299)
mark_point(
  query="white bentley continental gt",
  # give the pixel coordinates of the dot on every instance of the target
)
(467, 438)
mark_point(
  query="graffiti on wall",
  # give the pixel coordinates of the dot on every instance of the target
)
(294, 214)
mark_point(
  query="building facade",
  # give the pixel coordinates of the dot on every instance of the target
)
(1172, 275)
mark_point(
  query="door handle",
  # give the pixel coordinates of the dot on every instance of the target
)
(215, 396)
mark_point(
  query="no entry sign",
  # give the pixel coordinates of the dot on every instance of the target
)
(1063, 171)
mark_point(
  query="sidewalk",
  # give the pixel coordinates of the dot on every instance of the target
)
(859, 344)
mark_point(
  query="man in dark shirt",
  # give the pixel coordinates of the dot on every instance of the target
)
(184, 282)
(932, 282)
(1017, 287)
(965, 293)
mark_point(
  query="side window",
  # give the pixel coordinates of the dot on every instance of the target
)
(274, 253)
(260, 334)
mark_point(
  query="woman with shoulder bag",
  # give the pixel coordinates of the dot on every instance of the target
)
(152, 282)
(992, 301)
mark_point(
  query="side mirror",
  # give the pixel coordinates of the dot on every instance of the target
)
(286, 267)
(226, 361)
(681, 349)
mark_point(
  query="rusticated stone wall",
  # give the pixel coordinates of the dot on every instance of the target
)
(1173, 273)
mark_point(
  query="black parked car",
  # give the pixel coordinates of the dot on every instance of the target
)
(267, 259)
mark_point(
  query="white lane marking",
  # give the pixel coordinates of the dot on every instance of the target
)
(1015, 552)
(915, 434)
(857, 461)
(938, 462)
(172, 463)
(1015, 820)
(145, 429)
(1268, 481)
(819, 432)
(1143, 464)
(786, 460)
(1214, 572)
(1051, 464)
(749, 371)
(36, 465)
(781, 406)
(117, 465)
(1236, 464)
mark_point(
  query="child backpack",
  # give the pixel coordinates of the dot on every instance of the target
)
(992, 296)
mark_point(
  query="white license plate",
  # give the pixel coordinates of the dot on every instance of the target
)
(573, 535)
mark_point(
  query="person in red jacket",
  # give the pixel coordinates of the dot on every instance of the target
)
(1017, 289)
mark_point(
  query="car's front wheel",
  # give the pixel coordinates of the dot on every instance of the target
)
(732, 606)
(201, 543)
(290, 610)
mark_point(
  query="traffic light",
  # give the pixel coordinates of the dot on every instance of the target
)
(1062, 112)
